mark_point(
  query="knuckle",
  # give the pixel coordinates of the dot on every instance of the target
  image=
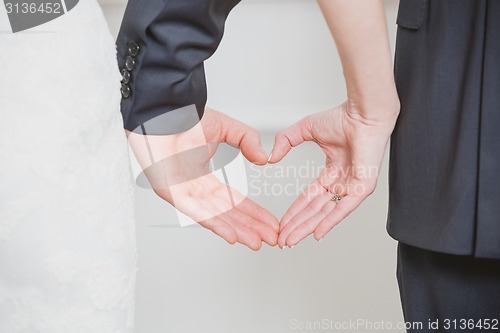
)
(280, 136)
(252, 132)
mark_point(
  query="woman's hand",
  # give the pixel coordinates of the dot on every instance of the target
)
(354, 147)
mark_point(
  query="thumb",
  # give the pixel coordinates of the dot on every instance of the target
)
(246, 138)
(288, 138)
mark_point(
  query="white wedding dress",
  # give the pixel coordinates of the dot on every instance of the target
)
(67, 236)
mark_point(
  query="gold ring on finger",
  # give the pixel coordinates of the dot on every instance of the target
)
(336, 198)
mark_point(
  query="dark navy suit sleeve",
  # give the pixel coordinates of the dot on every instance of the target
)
(162, 46)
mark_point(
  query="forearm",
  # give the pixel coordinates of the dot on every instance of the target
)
(360, 32)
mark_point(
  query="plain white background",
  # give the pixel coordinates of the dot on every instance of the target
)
(277, 63)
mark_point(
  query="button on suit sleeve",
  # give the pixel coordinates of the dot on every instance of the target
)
(161, 54)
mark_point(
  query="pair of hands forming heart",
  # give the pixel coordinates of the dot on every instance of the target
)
(354, 149)
(353, 137)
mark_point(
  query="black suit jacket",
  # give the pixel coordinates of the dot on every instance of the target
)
(162, 46)
(444, 192)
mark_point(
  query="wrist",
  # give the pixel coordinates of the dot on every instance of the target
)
(383, 110)
(380, 118)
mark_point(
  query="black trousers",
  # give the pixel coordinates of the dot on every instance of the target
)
(448, 293)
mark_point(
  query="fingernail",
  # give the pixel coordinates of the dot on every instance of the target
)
(319, 240)
(270, 156)
(292, 246)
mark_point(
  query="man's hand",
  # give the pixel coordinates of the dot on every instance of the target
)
(177, 167)
(354, 147)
